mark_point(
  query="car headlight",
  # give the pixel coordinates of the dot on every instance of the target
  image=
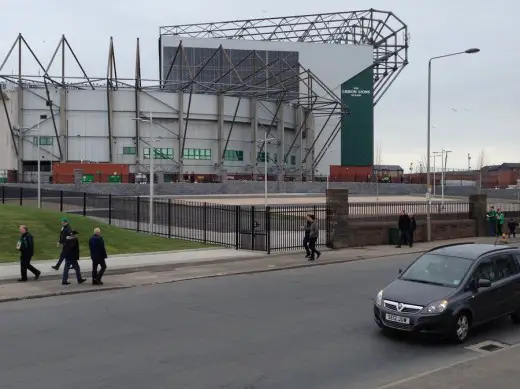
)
(437, 307)
(379, 297)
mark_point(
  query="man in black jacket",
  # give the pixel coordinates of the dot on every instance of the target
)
(71, 254)
(413, 227)
(98, 254)
(66, 230)
(26, 247)
(404, 224)
(306, 240)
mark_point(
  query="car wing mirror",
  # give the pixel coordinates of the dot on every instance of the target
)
(400, 271)
(483, 283)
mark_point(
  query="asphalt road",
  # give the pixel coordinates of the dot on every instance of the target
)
(304, 328)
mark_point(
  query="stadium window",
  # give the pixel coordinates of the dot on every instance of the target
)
(261, 157)
(293, 159)
(204, 154)
(233, 155)
(44, 140)
(163, 153)
(130, 151)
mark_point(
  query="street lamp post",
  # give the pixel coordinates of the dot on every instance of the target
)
(435, 154)
(265, 141)
(428, 136)
(152, 181)
(444, 163)
(39, 167)
(38, 162)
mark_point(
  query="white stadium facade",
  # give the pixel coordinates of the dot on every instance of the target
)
(307, 84)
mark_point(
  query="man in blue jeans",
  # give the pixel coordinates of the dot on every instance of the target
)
(71, 254)
(66, 230)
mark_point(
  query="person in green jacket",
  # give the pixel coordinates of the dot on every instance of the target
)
(500, 222)
(491, 217)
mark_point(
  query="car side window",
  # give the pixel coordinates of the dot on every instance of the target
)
(484, 271)
(517, 257)
(505, 266)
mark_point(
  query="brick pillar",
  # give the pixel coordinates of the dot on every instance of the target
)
(477, 212)
(337, 211)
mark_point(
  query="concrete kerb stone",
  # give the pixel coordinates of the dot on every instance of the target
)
(207, 276)
(422, 376)
(63, 293)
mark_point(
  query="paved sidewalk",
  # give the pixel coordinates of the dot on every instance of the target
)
(495, 370)
(121, 264)
(194, 265)
(134, 262)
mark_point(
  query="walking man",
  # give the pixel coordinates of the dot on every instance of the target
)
(314, 233)
(512, 228)
(66, 230)
(306, 240)
(26, 247)
(404, 224)
(413, 227)
(71, 254)
(98, 254)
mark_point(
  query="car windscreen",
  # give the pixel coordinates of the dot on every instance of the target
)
(437, 269)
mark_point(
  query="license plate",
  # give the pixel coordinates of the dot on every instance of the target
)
(397, 319)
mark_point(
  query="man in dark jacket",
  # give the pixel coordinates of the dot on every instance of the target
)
(314, 233)
(71, 254)
(26, 247)
(512, 228)
(98, 254)
(307, 229)
(404, 224)
(66, 230)
(413, 227)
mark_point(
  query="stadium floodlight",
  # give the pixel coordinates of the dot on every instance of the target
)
(428, 137)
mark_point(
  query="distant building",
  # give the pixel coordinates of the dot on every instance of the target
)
(500, 176)
(392, 171)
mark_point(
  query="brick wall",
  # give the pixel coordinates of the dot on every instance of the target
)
(377, 233)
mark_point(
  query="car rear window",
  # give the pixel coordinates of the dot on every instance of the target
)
(438, 270)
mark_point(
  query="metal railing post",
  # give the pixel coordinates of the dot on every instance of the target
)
(110, 209)
(138, 211)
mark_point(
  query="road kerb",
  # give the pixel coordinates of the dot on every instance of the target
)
(173, 266)
(269, 268)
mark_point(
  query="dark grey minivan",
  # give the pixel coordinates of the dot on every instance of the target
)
(451, 289)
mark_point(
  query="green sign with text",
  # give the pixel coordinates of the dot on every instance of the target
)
(357, 129)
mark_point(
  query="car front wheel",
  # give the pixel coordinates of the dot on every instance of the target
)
(461, 328)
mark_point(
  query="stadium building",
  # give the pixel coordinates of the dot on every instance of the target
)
(298, 91)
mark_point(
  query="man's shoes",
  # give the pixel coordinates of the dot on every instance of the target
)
(398, 246)
(82, 281)
(65, 283)
(55, 267)
(22, 280)
(318, 255)
(96, 282)
(307, 256)
(37, 276)
(311, 259)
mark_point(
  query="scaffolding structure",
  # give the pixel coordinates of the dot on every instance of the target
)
(385, 32)
(382, 30)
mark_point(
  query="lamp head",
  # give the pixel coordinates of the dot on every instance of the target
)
(473, 50)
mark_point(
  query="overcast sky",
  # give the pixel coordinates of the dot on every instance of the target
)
(475, 103)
